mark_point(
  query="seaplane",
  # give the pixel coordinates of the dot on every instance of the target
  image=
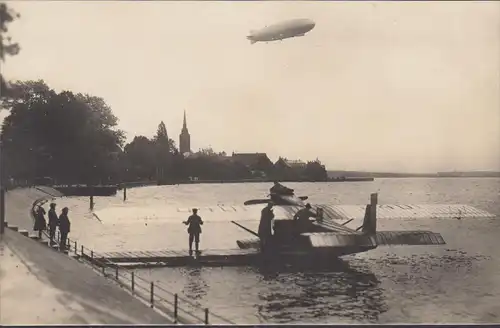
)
(336, 231)
(329, 234)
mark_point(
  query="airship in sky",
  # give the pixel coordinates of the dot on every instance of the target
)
(287, 29)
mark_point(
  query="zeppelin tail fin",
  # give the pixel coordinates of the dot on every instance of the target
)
(252, 40)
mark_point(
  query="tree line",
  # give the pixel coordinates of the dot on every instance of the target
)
(73, 138)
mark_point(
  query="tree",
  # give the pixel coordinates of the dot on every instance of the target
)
(163, 153)
(207, 152)
(27, 92)
(161, 134)
(139, 159)
(72, 138)
(7, 46)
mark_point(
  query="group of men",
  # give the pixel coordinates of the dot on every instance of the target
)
(301, 218)
(61, 221)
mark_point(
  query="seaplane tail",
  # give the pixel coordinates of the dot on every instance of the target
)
(369, 226)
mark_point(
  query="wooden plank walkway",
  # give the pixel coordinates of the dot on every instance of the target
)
(213, 257)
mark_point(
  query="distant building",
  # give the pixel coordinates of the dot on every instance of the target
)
(283, 163)
(184, 138)
(289, 169)
(254, 161)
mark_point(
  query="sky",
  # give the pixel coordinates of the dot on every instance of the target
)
(382, 86)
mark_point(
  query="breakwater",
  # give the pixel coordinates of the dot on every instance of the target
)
(203, 181)
(84, 190)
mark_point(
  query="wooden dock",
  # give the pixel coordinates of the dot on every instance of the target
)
(176, 258)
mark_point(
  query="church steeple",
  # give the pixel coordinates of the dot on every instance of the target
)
(184, 138)
(184, 124)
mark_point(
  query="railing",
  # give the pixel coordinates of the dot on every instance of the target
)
(155, 295)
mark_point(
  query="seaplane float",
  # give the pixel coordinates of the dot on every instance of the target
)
(329, 234)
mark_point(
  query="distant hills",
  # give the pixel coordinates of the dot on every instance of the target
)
(465, 174)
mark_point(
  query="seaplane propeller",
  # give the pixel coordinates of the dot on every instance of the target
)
(267, 200)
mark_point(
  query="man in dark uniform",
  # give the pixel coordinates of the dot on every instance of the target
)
(53, 222)
(64, 228)
(302, 217)
(194, 230)
(266, 218)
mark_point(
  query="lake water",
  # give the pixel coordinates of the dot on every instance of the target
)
(453, 283)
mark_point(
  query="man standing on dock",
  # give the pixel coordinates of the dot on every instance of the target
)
(195, 222)
(266, 218)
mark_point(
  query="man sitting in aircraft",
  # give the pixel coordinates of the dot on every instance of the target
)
(302, 218)
(280, 189)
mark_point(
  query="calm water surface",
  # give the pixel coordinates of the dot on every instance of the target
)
(458, 282)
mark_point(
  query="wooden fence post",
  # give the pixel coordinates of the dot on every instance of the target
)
(175, 307)
(152, 292)
(373, 211)
(133, 282)
(2, 210)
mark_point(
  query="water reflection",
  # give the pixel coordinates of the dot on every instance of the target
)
(195, 287)
(338, 290)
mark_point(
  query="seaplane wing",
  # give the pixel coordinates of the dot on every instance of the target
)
(386, 211)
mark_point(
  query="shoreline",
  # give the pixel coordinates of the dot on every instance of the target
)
(79, 190)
